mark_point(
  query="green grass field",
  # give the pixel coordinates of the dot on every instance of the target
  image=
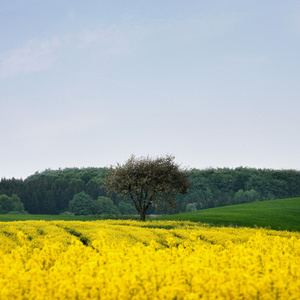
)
(283, 214)
(20, 217)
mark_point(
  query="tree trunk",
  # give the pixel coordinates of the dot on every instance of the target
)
(143, 216)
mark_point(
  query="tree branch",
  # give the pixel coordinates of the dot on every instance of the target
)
(149, 202)
(132, 198)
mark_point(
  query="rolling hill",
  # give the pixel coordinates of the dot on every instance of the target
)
(283, 214)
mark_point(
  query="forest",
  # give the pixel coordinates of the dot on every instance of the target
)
(52, 191)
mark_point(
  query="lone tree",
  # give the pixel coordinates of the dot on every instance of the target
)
(148, 182)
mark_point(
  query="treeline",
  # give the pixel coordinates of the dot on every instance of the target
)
(51, 191)
(221, 187)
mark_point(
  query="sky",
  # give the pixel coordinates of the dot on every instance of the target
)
(88, 83)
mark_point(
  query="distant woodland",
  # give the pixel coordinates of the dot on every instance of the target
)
(51, 191)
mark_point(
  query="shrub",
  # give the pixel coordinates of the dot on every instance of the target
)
(126, 208)
(191, 207)
(8, 204)
(67, 213)
(82, 204)
(104, 205)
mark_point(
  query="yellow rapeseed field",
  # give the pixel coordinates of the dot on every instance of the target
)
(149, 260)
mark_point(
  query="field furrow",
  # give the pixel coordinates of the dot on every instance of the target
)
(149, 260)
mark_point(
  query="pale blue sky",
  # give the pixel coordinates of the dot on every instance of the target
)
(88, 83)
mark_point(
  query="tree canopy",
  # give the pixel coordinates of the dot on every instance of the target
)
(148, 182)
(50, 191)
(82, 204)
(10, 204)
(104, 205)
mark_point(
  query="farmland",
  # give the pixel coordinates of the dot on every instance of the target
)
(146, 260)
(281, 214)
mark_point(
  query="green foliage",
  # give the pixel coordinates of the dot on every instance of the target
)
(126, 208)
(50, 191)
(104, 205)
(242, 196)
(18, 205)
(148, 182)
(8, 204)
(220, 187)
(15, 212)
(191, 207)
(67, 213)
(82, 204)
(25, 217)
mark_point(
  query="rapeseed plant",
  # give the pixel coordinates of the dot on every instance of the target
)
(151, 260)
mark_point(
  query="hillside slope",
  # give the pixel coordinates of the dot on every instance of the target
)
(283, 214)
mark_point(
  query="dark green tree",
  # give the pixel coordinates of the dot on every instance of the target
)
(191, 207)
(148, 182)
(18, 205)
(126, 208)
(50, 191)
(8, 204)
(104, 205)
(82, 204)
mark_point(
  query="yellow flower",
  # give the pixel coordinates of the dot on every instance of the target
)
(150, 260)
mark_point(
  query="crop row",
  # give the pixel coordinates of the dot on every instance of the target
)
(150, 260)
